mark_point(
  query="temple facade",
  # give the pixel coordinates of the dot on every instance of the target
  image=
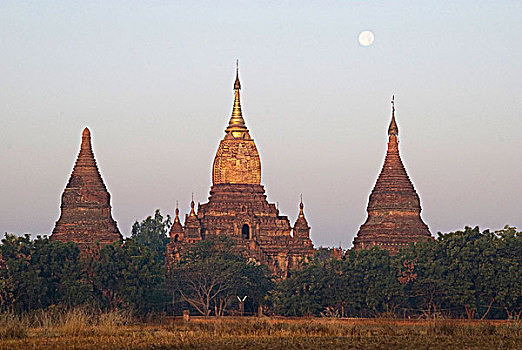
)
(238, 207)
(85, 216)
(394, 207)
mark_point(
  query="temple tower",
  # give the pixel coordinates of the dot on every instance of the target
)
(394, 207)
(238, 208)
(237, 204)
(85, 216)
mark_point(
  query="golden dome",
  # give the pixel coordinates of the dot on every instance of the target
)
(237, 160)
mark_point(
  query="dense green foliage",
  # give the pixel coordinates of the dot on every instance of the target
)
(39, 273)
(129, 275)
(363, 284)
(468, 274)
(153, 233)
(465, 274)
(42, 272)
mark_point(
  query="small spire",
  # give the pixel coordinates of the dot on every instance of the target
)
(301, 207)
(192, 213)
(236, 125)
(176, 219)
(301, 222)
(393, 129)
(237, 84)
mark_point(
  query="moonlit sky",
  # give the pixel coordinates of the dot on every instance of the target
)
(153, 81)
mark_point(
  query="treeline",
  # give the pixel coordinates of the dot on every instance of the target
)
(465, 274)
(468, 274)
(43, 273)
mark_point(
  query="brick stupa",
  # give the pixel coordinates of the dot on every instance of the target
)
(85, 216)
(394, 207)
(238, 207)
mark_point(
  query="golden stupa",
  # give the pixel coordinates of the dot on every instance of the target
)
(237, 160)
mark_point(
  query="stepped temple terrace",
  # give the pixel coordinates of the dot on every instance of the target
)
(394, 207)
(85, 216)
(238, 208)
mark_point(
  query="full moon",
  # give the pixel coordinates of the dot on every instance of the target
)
(366, 38)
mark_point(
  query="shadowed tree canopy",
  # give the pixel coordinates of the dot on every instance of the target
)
(41, 272)
(130, 275)
(211, 274)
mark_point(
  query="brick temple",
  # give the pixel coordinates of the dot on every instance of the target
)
(238, 207)
(85, 216)
(394, 207)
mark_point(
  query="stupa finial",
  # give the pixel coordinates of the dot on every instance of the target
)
(237, 83)
(236, 126)
(393, 129)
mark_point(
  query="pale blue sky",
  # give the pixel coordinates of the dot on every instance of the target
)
(153, 81)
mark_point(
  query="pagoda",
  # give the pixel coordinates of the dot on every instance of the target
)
(85, 216)
(394, 207)
(238, 207)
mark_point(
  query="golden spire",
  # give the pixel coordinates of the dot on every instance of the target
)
(236, 126)
(176, 219)
(393, 129)
(237, 84)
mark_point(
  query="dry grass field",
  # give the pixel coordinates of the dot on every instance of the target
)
(78, 329)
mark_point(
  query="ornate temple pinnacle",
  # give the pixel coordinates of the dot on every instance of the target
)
(393, 129)
(237, 159)
(176, 219)
(236, 126)
(192, 212)
(301, 223)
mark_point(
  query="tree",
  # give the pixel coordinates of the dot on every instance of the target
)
(153, 233)
(211, 274)
(374, 282)
(508, 271)
(130, 275)
(312, 289)
(468, 260)
(421, 275)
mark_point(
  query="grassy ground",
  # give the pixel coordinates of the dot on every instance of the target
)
(117, 332)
